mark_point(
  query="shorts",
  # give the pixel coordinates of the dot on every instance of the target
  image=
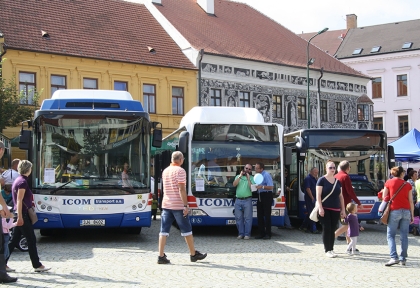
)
(168, 216)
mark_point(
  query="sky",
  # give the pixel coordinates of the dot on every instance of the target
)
(315, 15)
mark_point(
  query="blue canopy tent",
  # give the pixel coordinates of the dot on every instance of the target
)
(407, 148)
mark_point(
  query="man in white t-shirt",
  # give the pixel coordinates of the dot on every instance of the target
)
(9, 176)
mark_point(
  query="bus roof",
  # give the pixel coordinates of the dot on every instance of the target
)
(222, 115)
(91, 94)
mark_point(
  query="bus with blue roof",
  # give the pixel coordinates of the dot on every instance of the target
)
(90, 151)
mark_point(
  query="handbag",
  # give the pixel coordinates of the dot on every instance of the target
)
(387, 210)
(32, 214)
(314, 214)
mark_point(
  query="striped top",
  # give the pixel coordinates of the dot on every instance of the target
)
(172, 176)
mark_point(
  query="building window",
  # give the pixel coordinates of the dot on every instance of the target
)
(378, 123)
(324, 109)
(177, 101)
(27, 87)
(149, 98)
(402, 125)
(339, 112)
(277, 106)
(58, 82)
(90, 83)
(301, 108)
(215, 97)
(402, 85)
(377, 87)
(120, 86)
(244, 99)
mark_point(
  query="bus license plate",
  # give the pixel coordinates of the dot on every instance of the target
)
(94, 222)
(230, 222)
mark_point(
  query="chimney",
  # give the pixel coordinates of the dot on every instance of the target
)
(351, 21)
(207, 5)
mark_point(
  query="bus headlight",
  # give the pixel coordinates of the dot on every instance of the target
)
(275, 212)
(140, 205)
(134, 207)
(198, 212)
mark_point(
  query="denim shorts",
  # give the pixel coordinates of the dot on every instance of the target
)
(168, 216)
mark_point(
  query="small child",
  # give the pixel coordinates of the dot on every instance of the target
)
(7, 225)
(154, 207)
(354, 227)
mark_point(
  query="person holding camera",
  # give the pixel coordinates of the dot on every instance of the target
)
(243, 202)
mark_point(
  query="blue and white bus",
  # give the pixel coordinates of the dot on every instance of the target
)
(82, 144)
(217, 142)
(367, 151)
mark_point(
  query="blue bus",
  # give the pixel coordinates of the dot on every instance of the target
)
(90, 151)
(367, 151)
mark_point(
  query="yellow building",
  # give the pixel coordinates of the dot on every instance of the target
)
(96, 49)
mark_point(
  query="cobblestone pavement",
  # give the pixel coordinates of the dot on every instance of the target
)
(97, 258)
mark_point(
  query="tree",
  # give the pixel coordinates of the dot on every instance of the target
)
(12, 112)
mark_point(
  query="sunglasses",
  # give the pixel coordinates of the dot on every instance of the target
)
(331, 168)
(248, 168)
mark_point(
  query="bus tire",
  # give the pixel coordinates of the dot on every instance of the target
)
(46, 232)
(22, 245)
(134, 230)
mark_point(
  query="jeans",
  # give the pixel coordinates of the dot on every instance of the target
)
(6, 238)
(26, 230)
(265, 199)
(398, 218)
(307, 222)
(329, 225)
(243, 216)
(168, 217)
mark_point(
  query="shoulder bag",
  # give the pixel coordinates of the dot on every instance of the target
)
(31, 213)
(314, 214)
(387, 210)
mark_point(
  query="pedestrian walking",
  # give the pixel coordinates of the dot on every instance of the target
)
(401, 215)
(353, 228)
(310, 197)
(331, 209)
(7, 225)
(175, 208)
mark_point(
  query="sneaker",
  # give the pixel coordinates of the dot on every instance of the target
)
(8, 279)
(8, 269)
(333, 253)
(163, 259)
(403, 262)
(329, 254)
(42, 269)
(392, 262)
(357, 250)
(240, 237)
(198, 256)
(246, 238)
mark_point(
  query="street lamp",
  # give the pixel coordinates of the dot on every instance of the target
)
(310, 62)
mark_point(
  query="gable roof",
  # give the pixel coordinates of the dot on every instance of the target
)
(328, 41)
(390, 37)
(238, 30)
(113, 30)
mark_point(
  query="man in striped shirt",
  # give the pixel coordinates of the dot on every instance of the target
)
(175, 208)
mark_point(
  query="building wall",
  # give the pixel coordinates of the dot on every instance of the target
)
(263, 81)
(390, 106)
(75, 69)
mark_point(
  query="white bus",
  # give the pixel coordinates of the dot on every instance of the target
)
(81, 143)
(217, 142)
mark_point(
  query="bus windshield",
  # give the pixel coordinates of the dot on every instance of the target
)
(77, 152)
(220, 151)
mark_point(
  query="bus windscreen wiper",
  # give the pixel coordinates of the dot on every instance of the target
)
(58, 188)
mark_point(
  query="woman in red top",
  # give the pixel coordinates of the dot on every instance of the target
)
(402, 214)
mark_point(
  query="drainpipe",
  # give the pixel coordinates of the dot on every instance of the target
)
(318, 97)
(199, 76)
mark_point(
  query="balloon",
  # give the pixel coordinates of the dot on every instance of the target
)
(258, 178)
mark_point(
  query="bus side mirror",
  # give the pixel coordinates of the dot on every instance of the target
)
(183, 142)
(300, 148)
(25, 139)
(287, 157)
(391, 157)
(157, 138)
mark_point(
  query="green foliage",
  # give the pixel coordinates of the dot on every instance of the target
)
(93, 143)
(12, 112)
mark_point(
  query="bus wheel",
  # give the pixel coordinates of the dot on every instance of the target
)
(46, 232)
(134, 230)
(22, 245)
